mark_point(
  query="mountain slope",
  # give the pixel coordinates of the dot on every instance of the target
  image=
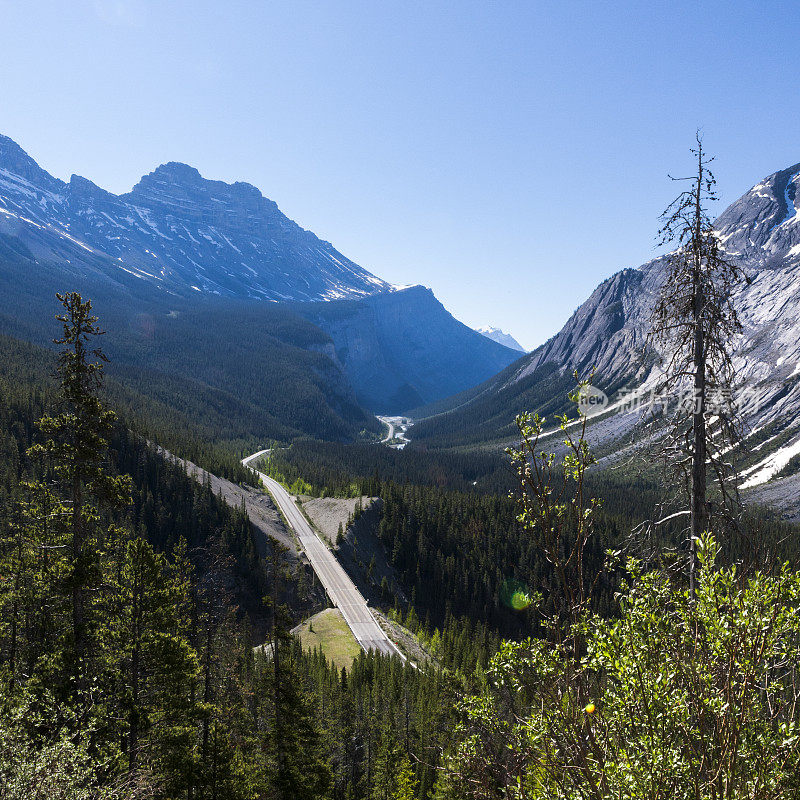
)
(241, 370)
(402, 349)
(608, 332)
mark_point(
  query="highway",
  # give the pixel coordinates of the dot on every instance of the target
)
(341, 590)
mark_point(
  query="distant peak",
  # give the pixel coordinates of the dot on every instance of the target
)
(501, 337)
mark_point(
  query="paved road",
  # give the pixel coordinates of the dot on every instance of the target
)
(341, 590)
(264, 517)
(391, 430)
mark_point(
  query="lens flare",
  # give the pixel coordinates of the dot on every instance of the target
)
(515, 595)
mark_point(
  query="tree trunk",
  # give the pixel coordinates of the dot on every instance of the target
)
(698, 488)
(133, 733)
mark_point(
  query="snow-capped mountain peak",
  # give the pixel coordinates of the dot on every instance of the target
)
(497, 335)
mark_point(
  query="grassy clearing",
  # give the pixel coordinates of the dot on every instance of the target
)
(328, 631)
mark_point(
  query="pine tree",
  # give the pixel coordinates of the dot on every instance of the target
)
(75, 447)
(158, 662)
(405, 785)
(299, 769)
(387, 763)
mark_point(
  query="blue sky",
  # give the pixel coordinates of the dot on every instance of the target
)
(509, 155)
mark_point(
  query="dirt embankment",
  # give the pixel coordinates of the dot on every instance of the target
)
(265, 518)
(360, 552)
(329, 513)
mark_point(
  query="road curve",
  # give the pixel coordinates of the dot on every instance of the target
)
(341, 590)
(391, 430)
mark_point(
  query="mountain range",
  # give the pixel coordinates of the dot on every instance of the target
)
(179, 232)
(211, 283)
(222, 309)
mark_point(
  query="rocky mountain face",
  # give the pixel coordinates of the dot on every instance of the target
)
(761, 230)
(176, 231)
(500, 336)
(403, 349)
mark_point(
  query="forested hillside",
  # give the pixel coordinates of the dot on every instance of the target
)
(240, 372)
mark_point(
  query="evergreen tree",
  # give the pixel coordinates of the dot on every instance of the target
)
(388, 762)
(75, 448)
(405, 786)
(301, 771)
(157, 660)
(299, 768)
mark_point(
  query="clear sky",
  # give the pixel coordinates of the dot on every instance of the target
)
(509, 155)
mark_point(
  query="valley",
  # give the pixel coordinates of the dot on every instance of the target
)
(398, 427)
(298, 532)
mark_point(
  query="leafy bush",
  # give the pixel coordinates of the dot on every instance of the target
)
(672, 699)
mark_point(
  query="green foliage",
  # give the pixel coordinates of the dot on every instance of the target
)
(457, 553)
(680, 693)
(55, 765)
(376, 716)
(555, 511)
(74, 448)
(394, 775)
(404, 786)
(690, 699)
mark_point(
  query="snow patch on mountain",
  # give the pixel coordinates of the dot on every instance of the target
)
(770, 466)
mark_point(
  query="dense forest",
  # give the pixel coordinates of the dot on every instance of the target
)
(146, 652)
(340, 469)
(127, 628)
(235, 372)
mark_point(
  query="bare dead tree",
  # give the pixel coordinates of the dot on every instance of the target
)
(694, 323)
